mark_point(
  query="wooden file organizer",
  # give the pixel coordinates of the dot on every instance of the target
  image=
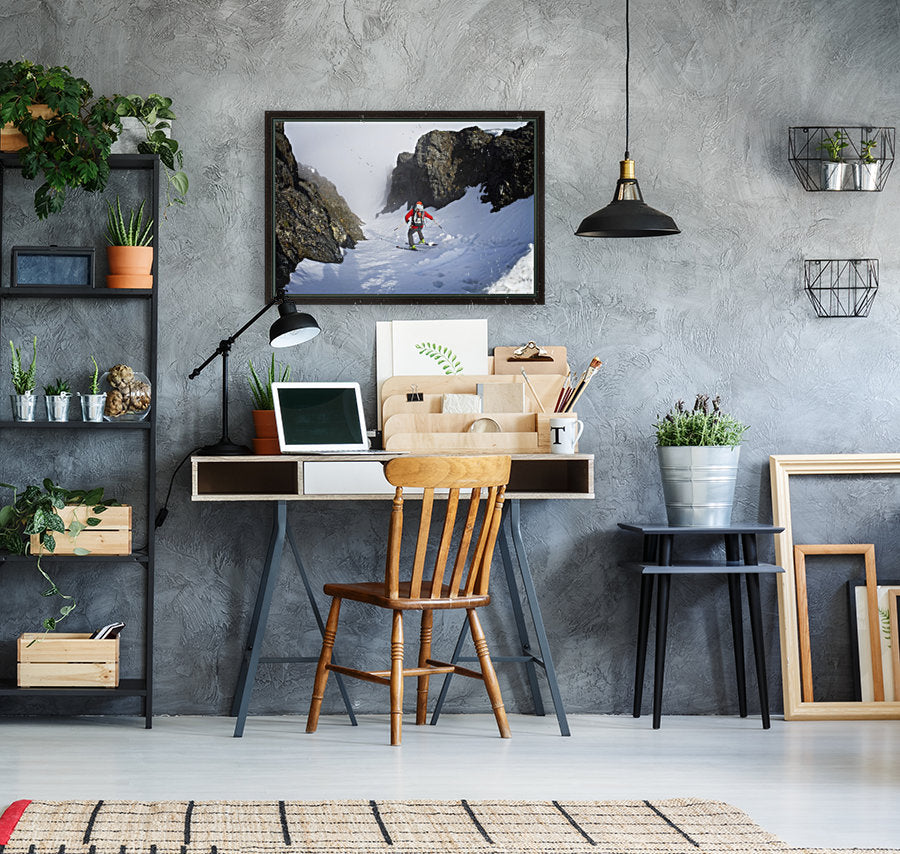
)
(421, 427)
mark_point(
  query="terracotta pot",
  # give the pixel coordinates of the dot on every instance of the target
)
(264, 424)
(129, 281)
(266, 446)
(12, 139)
(130, 260)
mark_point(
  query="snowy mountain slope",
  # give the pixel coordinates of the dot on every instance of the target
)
(477, 252)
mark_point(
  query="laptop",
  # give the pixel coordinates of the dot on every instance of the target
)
(320, 418)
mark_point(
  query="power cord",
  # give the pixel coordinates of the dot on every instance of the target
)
(164, 510)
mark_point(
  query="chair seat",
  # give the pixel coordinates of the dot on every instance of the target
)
(373, 594)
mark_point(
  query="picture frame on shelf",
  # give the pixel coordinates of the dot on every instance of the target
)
(343, 224)
(52, 267)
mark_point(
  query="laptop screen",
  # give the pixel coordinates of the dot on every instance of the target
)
(319, 417)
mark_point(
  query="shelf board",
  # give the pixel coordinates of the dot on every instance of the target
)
(78, 425)
(57, 291)
(136, 557)
(116, 161)
(127, 688)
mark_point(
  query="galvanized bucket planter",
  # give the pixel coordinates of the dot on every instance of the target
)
(698, 484)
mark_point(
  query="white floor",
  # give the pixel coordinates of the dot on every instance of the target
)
(829, 784)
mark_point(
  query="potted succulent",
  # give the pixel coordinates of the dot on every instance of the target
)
(35, 512)
(834, 169)
(146, 128)
(129, 252)
(865, 172)
(24, 384)
(698, 452)
(57, 397)
(60, 131)
(266, 440)
(93, 402)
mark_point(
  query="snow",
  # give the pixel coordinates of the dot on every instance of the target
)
(476, 252)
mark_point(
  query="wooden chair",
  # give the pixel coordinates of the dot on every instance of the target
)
(467, 587)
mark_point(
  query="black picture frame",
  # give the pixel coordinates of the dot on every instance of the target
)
(390, 278)
(61, 265)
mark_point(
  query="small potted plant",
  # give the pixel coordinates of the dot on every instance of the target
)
(60, 131)
(266, 440)
(93, 402)
(865, 172)
(57, 397)
(146, 128)
(834, 169)
(129, 252)
(698, 452)
(24, 383)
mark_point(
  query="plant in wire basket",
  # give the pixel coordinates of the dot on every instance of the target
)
(702, 426)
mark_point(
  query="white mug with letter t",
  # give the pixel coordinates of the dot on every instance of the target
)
(564, 434)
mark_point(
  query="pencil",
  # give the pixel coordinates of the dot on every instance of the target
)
(530, 386)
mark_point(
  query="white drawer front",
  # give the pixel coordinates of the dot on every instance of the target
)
(353, 477)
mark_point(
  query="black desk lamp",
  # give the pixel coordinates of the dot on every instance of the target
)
(292, 327)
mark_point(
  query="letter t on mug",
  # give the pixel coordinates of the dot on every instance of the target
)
(564, 434)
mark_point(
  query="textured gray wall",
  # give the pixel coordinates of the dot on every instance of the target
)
(720, 308)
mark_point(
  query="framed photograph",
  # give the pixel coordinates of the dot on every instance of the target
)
(52, 266)
(405, 207)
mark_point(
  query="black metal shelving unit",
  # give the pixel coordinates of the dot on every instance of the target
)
(142, 687)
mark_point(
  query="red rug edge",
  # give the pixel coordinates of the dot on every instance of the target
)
(10, 819)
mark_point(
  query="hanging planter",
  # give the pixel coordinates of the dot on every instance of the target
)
(823, 158)
(841, 287)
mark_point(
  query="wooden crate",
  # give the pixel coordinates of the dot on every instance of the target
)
(67, 660)
(111, 537)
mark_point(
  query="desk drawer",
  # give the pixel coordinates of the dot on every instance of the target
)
(351, 477)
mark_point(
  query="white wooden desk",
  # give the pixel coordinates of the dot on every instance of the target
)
(346, 477)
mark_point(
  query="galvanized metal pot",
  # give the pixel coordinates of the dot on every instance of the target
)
(23, 406)
(865, 176)
(698, 484)
(92, 406)
(58, 406)
(833, 175)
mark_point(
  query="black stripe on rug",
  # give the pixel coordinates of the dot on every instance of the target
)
(90, 825)
(574, 823)
(476, 822)
(285, 832)
(384, 831)
(187, 824)
(672, 824)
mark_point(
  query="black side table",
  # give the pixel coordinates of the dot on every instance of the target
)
(657, 563)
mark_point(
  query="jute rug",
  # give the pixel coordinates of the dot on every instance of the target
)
(684, 826)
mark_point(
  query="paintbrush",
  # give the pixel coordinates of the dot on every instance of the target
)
(588, 374)
(533, 392)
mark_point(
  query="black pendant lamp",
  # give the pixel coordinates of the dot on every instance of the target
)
(627, 215)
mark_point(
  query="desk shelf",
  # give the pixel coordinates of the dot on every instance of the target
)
(126, 688)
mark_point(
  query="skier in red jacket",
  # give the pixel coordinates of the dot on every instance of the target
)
(416, 219)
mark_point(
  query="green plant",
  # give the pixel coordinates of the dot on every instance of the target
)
(262, 391)
(59, 387)
(867, 146)
(95, 378)
(702, 425)
(834, 145)
(69, 149)
(24, 380)
(34, 511)
(133, 234)
(155, 114)
(444, 356)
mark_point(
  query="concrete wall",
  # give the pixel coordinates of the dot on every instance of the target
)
(720, 308)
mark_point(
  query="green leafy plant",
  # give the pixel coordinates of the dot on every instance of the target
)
(23, 380)
(69, 149)
(35, 511)
(702, 425)
(884, 620)
(59, 387)
(95, 378)
(867, 146)
(444, 356)
(155, 113)
(135, 233)
(834, 145)
(262, 390)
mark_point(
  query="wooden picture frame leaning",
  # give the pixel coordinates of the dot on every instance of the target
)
(782, 467)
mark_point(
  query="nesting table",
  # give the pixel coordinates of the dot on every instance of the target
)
(657, 563)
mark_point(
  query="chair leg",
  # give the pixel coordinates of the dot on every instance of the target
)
(328, 637)
(396, 677)
(424, 655)
(487, 671)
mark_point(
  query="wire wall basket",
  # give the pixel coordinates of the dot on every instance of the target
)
(841, 288)
(842, 158)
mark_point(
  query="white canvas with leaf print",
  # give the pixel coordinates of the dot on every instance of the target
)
(867, 685)
(439, 347)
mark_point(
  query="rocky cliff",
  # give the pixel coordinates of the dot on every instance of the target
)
(446, 163)
(312, 219)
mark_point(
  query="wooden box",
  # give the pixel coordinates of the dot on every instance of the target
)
(111, 537)
(67, 660)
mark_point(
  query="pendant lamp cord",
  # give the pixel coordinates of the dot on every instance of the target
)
(627, 62)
